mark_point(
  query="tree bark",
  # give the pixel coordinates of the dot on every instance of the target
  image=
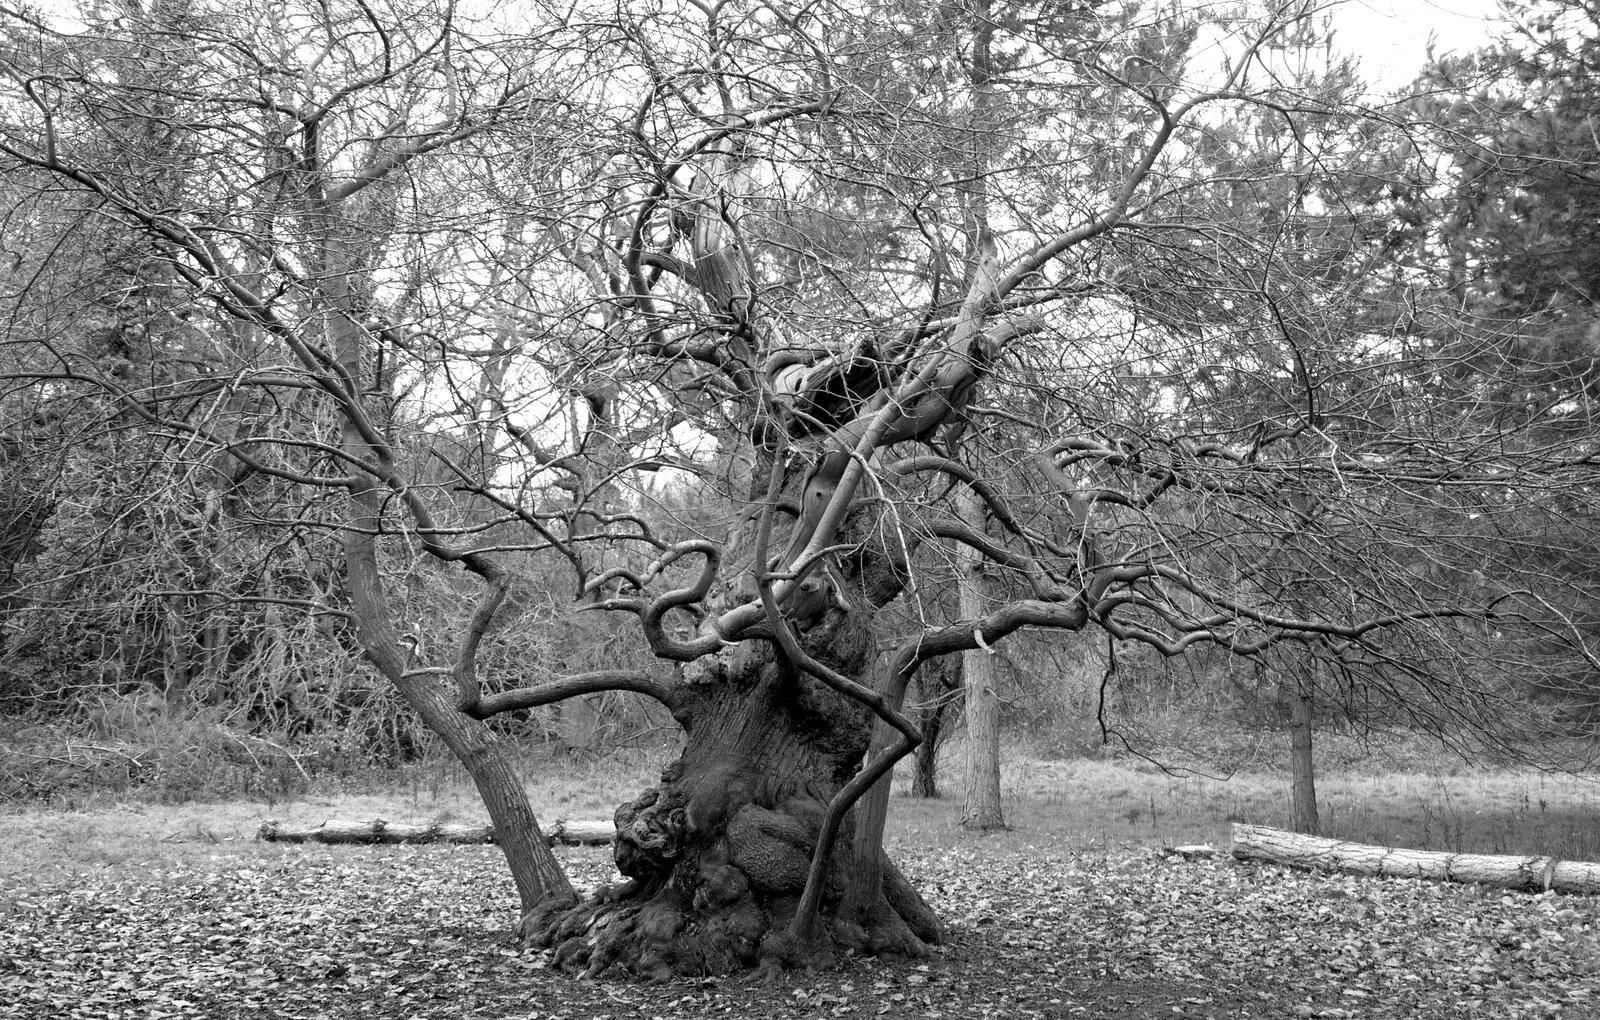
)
(980, 802)
(874, 888)
(1304, 795)
(980, 779)
(1531, 874)
(717, 855)
(344, 830)
(938, 686)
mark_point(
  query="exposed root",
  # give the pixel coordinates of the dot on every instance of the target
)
(906, 903)
(535, 923)
(727, 928)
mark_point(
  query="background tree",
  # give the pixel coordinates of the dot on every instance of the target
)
(1492, 247)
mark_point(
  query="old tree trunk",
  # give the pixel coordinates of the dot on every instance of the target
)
(721, 861)
(717, 855)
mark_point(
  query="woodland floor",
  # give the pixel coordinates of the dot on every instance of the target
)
(242, 929)
(114, 910)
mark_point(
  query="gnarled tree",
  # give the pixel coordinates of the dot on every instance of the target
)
(728, 310)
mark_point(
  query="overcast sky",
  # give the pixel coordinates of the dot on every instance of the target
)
(1391, 36)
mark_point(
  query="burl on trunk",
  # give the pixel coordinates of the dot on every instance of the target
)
(717, 855)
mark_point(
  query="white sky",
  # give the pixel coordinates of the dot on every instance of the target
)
(1390, 37)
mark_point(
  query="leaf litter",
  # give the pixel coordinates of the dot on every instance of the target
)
(421, 932)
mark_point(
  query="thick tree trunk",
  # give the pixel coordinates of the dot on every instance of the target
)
(980, 779)
(1305, 787)
(980, 788)
(981, 763)
(717, 855)
(1533, 874)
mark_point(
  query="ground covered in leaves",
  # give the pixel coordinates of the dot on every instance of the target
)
(413, 932)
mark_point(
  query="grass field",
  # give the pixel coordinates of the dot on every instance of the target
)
(1119, 803)
(1067, 804)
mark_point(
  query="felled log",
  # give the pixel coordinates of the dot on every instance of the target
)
(591, 832)
(1191, 852)
(1531, 874)
(339, 830)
